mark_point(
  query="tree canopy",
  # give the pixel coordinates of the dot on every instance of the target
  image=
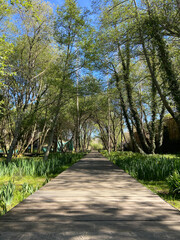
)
(70, 73)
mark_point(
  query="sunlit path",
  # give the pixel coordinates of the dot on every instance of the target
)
(92, 200)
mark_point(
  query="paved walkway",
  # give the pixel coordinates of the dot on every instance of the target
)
(93, 200)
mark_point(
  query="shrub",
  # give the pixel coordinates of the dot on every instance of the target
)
(3, 206)
(27, 188)
(7, 193)
(174, 183)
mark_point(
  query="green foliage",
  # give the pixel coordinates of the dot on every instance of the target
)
(174, 182)
(27, 188)
(69, 23)
(4, 8)
(145, 167)
(96, 146)
(7, 193)
(46, 181)
(3, 206)
(5, 50)
(5, 47)
(33, 167)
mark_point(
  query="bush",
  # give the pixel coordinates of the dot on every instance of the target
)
(3, 206)
(27, 188)
(7, 193)
(174, 183)
(6, 196)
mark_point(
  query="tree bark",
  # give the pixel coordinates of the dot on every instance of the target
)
(153, 132)
(30, 142)
(15, 138)
(153, 77)
(46, 155)
(160, 131)
(42, 138)
(167, 65)
(154, 110)
(134, 113)
(121, 120)
(126, 117)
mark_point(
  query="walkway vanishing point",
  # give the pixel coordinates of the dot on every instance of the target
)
(92, 200)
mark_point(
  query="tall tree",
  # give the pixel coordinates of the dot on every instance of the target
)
(69, 27)
(124, 40)
(29, 61)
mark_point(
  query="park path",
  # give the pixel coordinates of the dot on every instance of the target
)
(92, 200)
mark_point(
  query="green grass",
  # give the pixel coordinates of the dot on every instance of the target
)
(145, 167)
(29, 174)
(159, 173)
(37, 167)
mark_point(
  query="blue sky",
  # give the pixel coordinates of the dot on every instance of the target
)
(82, 3)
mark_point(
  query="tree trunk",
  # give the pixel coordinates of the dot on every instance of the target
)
(153, 77)
(121, 130)
(167, 66)
(46, 155)
(126, 117)
(50, 142)
(160, 131)
(88, 141)
(137, 121)
(42, 139)
(163, 54)
(55, 142)
(84, 138)
(134, 113)
(154, 112)
(15, 139)
(30, 142)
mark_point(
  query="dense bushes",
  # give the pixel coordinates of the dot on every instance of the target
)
(174, 183)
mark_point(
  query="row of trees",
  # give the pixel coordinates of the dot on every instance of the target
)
(64, 76)
(138, 48)
(39, 73)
